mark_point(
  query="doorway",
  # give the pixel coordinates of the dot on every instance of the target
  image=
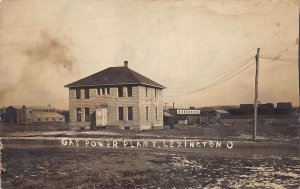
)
(101, 117)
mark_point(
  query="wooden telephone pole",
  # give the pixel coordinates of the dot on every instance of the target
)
(299, 59)
(256, 94)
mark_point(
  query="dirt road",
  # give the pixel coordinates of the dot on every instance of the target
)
(36, 163)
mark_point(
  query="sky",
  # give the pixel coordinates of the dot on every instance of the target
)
(202, 51)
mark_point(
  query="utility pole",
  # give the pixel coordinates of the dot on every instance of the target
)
(256, 94)
(299, 58)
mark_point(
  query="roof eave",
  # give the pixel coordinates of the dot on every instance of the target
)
(118, 84)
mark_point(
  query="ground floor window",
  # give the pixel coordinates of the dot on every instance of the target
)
(130, 114)
(78, 114)
(86, 114)
(156, 113)
(120, 113)
(147, 113)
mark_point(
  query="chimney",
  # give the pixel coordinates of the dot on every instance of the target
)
(126, 63)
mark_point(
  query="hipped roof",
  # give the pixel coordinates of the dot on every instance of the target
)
(115, 76)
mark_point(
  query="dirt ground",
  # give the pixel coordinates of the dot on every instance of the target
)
(37, 159)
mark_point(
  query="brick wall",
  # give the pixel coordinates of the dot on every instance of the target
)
(151, 102)
(138, 102)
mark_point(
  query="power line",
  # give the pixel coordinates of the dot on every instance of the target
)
(231, 72)
(216, 75)
(215, 83)
(266, 39)
(282, 60)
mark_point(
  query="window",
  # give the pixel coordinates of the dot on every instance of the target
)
(155, 92)
(86, 93)
(38, 119)
(146, 91)
(130, 115)
(129, 91)
(53, 119)
(86, 114)
(120, 113)
(77, 93)
(46, 119)
(78, 114)
(156, 113)
(102, 91)
(120, 91)
(60, 119)
(147, 112)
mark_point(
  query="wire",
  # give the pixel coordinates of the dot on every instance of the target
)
(215, 83)
(219, 74)
(282, 60)
(223, 77)
(266, 39)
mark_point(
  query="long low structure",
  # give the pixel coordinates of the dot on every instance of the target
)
(31, 114)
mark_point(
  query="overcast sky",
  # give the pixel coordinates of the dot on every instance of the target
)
(187, 46)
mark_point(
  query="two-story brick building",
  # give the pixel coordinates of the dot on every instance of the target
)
(116, 97)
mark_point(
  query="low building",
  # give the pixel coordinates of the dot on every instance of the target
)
(284, 105)
(220, 114)
(185, 116)
(116, 97)
(31, 114)
(11, 114)
(246, 108)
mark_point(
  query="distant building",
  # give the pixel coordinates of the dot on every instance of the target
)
(284, 105)
(185, 116)
(116, 97)
(246, 108)
(266, 109)
(31, 114)
(2, 110)
(220, 114)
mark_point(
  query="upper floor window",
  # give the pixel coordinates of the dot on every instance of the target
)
(103, 91)
(86, 93)
(78, 94)
(155, 91)
(120, 91)
(146, 88)
(129, 91)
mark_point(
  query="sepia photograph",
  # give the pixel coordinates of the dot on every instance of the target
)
(138, 94)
